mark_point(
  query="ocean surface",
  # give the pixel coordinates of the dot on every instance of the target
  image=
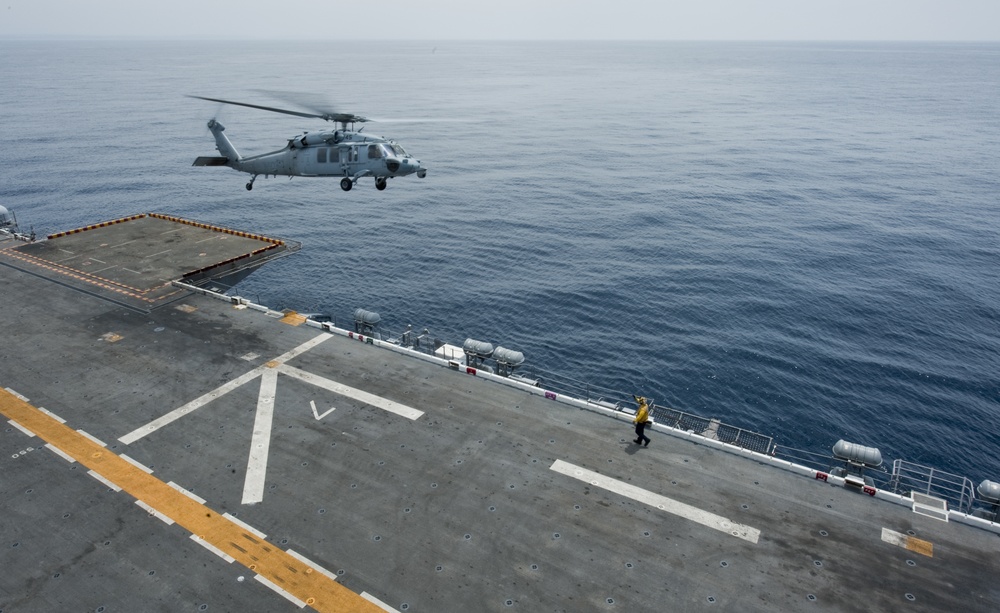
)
(798, 239)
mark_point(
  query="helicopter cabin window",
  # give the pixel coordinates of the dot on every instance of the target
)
(374, 152)
(321, 155)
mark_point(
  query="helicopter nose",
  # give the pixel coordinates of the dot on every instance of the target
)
(405, 166)
(413, 165)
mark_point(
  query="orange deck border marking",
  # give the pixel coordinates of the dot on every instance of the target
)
(86, 277)
(277, 566)
(98, 225)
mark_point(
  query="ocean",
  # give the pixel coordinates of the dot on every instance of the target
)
(800, 239)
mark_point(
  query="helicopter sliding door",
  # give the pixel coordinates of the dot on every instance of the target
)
(327, 162)
(348, 160)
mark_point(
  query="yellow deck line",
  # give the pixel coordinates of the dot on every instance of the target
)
(289, 573)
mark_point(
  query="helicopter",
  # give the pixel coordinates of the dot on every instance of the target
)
(342, 152)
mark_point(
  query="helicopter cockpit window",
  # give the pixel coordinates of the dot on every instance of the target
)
(397, 149)
(374, 152)
(321, 155)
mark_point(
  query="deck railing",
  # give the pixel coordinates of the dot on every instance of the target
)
(909, 477)
(607, 397)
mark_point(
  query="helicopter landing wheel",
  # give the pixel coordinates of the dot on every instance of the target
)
(346, 184)
(250, 186)
(380, 183)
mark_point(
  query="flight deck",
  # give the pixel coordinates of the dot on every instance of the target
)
(188, 451)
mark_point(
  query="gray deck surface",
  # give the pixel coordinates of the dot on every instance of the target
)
(458, 510)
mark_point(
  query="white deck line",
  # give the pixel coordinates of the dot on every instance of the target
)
(18, 396)
(213, 548)
(316, 567)
(669, 505)
(93, 438)
(190, 407)
(104, 481)
(20, 427)
(344, 390)
(245, 526)
(378, 603)
(59, 452)
(155, 513)
(260, 444)
(190, 495)
(136, 463)
(52, 415)
(300, 604)
(304, 347)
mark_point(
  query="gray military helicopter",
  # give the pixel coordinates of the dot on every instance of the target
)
(342, 152)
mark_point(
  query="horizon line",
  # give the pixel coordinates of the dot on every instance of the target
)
(199, 38)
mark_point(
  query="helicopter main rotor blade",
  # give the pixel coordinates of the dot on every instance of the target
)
(317, 103)
(267, 108)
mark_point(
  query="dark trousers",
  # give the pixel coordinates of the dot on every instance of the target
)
(640, 433)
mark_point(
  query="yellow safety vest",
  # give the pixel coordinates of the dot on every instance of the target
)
(642, 416)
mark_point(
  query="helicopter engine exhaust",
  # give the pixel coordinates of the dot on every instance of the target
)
(315, 138)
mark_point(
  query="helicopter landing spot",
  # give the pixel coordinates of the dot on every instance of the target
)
(134, 260)
(253, 488)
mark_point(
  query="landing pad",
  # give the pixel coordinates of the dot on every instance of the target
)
(134, 260)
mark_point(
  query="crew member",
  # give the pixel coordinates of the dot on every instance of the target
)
(641, 421)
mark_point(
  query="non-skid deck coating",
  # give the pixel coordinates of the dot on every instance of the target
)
(134, 259)
(412, 484)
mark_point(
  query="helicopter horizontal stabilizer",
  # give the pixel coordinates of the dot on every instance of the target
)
(211, 160)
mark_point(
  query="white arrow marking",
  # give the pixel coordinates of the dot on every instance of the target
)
(316, 414)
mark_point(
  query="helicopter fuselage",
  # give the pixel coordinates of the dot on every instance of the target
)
(338, 153)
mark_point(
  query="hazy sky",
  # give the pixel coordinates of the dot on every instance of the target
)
(959, 20)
